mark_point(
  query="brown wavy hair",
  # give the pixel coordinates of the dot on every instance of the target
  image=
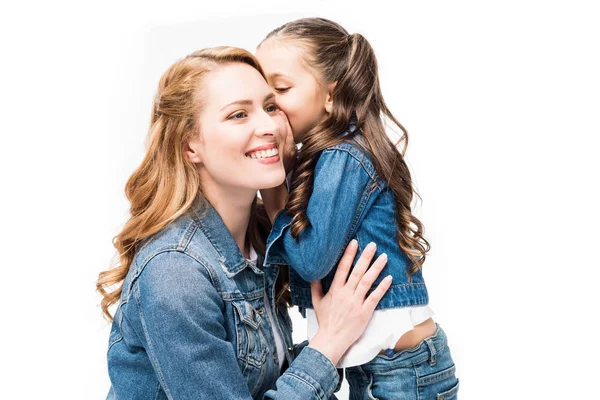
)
(166, 183)
(348, 60)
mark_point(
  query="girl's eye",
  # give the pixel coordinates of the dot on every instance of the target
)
(271, 108)
(282, 89)
(240, 115)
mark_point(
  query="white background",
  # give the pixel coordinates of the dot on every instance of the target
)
(501, 100)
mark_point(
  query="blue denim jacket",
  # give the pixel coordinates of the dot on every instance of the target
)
(191, 323)
(349, 200)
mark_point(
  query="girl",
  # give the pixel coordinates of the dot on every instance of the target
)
(350, 181)
(198, 314)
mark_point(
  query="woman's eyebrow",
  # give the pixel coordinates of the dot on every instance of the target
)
(248, 102)
(275, 75)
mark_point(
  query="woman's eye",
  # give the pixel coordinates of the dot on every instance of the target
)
(282, 89)
(239, 115)
(272, 108)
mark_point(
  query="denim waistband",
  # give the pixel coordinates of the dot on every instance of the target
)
(426, 350)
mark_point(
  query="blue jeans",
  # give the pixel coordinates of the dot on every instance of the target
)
(424, 372)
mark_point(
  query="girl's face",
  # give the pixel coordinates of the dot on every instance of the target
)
(241, 131)
(304, 100)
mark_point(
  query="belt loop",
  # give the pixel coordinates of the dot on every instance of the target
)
(432, 351)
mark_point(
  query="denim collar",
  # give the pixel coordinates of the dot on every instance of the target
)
(212, 226)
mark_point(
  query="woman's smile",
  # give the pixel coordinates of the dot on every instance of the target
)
(266, 154)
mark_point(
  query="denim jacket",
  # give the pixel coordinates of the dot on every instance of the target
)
(349, 200)
(191, 323)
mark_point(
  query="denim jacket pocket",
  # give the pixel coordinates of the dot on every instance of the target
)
(251, 344)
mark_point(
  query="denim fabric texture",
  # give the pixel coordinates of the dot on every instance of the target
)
(425, 372)
(349, 200)
(192, 324)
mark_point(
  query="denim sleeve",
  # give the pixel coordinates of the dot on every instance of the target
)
(182, 321)
(338, 200)
(311, 376)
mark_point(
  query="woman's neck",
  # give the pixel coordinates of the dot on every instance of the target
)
(233, 206)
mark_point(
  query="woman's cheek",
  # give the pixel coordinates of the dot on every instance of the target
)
(280, 120)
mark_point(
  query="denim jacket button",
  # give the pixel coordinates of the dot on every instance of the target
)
(260, 310)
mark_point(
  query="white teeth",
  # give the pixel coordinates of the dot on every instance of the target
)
(263, 153)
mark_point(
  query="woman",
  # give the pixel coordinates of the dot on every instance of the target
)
(198, 314)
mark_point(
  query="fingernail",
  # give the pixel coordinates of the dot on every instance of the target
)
(354, 242)
(371, 246)
(388, 279)
(383, 257)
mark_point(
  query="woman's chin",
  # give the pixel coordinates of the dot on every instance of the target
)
(273, 181)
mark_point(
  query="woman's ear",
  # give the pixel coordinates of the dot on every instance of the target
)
(329, 98)
(192, 150)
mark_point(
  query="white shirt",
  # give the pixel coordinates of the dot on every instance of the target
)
(382, 332)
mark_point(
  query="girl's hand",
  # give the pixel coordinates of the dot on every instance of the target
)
(289, 146)
(343, 313)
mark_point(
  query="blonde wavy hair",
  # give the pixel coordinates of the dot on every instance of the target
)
(166, 183)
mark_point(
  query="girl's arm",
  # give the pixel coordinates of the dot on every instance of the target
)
(340, 198)
(274, 200)
(183, 327)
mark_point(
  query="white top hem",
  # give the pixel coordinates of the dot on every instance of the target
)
(382, 332)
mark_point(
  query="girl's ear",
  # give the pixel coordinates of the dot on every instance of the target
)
(329, 98)
(192, 149)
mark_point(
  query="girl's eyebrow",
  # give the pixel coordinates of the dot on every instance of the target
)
(249, 102)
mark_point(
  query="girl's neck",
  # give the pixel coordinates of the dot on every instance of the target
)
(233, 206)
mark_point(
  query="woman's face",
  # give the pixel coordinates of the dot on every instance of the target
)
(240, 132)
(299, 94)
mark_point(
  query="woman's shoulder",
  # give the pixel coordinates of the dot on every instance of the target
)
(181, 241)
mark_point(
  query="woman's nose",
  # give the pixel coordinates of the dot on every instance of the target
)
(265, 125)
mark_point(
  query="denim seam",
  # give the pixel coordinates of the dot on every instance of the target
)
(118, 337)
(187, 236)
(437, 376)
(221, 257)
(157, 391)
(408, 285)
(117, 340)
(263, 373)
(450, 392)
(417, 380)
(359, 209)
(315, 389)
(165, 249)
(372, 174)
(213, 278)
(151, 354)
(139, 269)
